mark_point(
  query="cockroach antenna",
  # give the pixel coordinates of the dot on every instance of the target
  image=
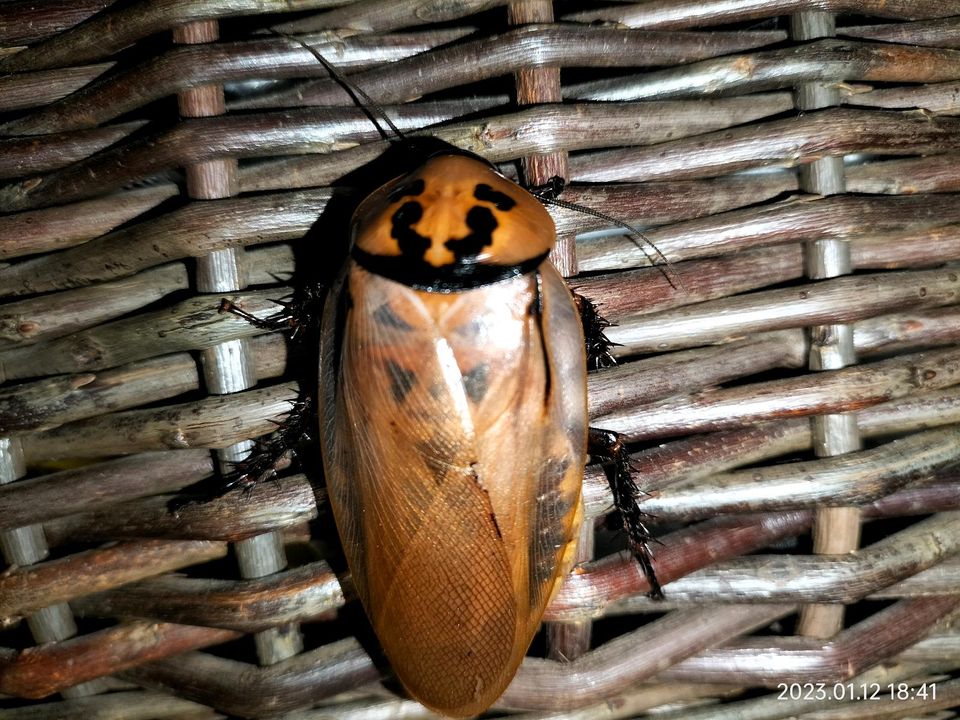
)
(547, 194)
(371, 108)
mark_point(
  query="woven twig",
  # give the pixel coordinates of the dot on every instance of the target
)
(799, 174)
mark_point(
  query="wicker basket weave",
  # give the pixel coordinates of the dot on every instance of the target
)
(790, 382)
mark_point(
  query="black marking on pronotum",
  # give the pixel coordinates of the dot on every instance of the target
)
(411, 189)
(421, 275)
(482, 223)
(500, 200)
(475, 382)
(401, 380)
(411, 243)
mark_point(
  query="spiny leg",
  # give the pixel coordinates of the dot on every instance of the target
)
(271, 455)
(550, 190)
(300, 311)
(597, 343)
(276, 452)
(608, 446)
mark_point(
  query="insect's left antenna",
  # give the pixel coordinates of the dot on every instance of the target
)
(356, 93)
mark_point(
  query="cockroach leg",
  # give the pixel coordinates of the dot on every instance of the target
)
(608, 447)
(597, 343)
(299, 311)
(550, 190)
(274, 453)
(270, 456)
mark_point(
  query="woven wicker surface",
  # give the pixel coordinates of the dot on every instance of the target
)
(789, 382)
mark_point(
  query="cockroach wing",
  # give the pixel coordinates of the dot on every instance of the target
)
(454, 438)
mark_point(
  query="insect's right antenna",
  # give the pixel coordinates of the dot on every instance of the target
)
(547, 194)
(356, 93)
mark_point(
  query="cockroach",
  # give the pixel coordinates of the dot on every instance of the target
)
(453, 425)
(453, 416)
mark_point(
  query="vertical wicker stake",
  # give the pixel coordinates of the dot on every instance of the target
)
(228, 367)
(542, 85)
(25, 546)
(836, 530)
(565, 641)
